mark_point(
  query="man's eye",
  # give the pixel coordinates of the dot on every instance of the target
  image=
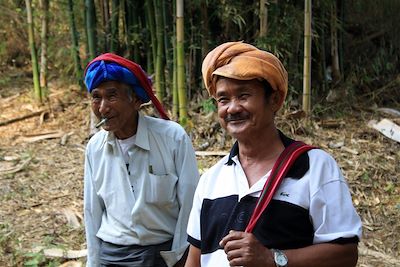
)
(222, 100)
(96, 98)
(112, 97)
(244, 96)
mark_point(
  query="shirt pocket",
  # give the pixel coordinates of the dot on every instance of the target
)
(160, 189)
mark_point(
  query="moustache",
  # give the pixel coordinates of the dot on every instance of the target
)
(235, 117)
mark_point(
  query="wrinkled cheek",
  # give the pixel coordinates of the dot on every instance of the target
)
(222, 123)
(95, 109)
(221, 118)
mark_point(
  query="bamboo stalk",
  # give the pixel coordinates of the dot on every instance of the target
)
(35, 65)
(307, 58)
(181, 63)
(75, 45)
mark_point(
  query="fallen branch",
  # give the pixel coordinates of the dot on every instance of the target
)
(390, 111)
(42, 136)
(37, 113)
(60, 253)
(48, 200)
(211, 153)
(15, 169)
(9, 99)
(363, 250)
(332, 123)
(71, 264)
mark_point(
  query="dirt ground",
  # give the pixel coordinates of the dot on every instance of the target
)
(41, 174)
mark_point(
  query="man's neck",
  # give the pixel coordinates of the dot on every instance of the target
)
(262, 147)
(257, 156)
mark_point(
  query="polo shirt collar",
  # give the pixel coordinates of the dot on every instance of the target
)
(235, 148)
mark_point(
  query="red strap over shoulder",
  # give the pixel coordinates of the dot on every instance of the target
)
(278, 172)
(139, 73)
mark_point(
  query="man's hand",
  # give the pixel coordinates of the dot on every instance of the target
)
(243, 249)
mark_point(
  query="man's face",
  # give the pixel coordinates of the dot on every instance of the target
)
(243, 109)
(110, 100)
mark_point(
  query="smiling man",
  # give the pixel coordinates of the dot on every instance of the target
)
(310, 221)
(140, 173)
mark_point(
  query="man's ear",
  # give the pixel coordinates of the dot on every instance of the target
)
(136, 101)
(276, 99)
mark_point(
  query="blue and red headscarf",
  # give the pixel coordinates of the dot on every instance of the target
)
(111, 67)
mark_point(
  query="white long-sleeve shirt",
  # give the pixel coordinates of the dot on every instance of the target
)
(150, 204)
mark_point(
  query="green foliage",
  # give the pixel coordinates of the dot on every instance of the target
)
(208, 105)
(34, 259)
(38, 259)
(5, 234)
(365, 177)
(367, 31)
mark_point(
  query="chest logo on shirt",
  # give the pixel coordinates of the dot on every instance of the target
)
(284, 194)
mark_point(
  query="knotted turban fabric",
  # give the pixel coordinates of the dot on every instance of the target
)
(111, 67)
(241, 61)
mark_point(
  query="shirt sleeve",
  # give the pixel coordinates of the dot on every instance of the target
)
(331, 209)
(193, 228)
(188, 176)
(93, 210)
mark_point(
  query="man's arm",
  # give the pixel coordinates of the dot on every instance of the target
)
(243, 249)
(188, 176)
(92, 214)
(193, 259)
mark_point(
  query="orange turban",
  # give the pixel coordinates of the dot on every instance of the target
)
(241, 61)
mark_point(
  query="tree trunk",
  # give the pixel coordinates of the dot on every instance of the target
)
(340, 37)
(159, 73)
(204, 29)
(106, 21)
(91, 28)
(86, 57)
(175, 100)
(168, 61)
(263, 19)
(35, 66)
(132, 29)
(181, 63)
(334, 45)
(75, 45)
(114, 26)
(44, 40)
(151, 55)
(307, 58)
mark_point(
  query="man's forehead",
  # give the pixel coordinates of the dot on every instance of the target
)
(111, 86)
(226, 83)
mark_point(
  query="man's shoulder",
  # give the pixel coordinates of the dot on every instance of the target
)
(164, 127)
(218, 169)
(320, 156)
(97, 139)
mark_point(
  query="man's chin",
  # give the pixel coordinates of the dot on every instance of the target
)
(108, 128)
(236, 131)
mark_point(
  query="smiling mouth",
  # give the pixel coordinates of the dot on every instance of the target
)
(234, 119)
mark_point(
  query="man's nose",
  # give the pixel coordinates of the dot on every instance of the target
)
(234, 106)
(104, 106)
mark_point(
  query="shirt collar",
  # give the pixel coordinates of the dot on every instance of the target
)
(142, 137)
(142, 133)
(235, 148)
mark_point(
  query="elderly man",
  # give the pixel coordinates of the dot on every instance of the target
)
(310, 220)
(140, 173)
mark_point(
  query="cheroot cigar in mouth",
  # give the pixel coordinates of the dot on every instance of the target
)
(103, 120)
